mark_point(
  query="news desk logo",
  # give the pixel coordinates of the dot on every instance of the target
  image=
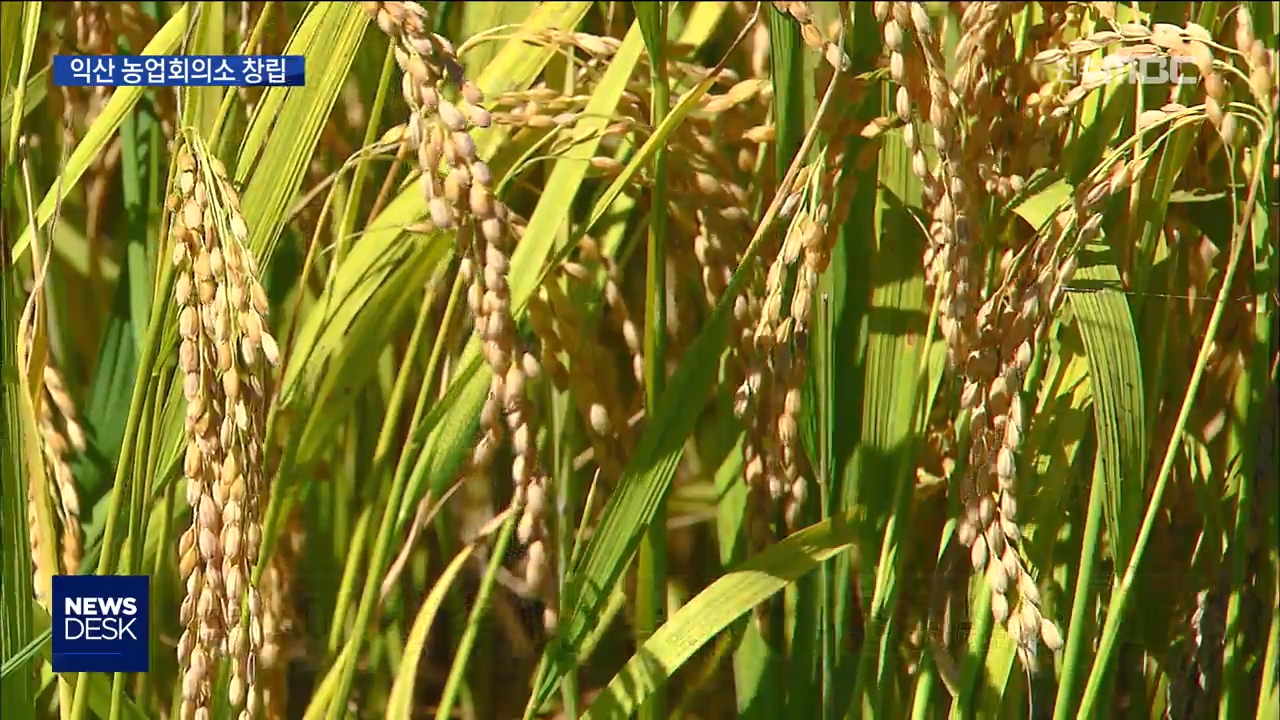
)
(100, 623)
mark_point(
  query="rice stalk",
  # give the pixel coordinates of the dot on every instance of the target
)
(224, 354)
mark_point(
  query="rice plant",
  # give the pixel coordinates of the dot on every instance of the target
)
(667, 360)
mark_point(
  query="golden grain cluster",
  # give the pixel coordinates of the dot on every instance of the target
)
(225, 352)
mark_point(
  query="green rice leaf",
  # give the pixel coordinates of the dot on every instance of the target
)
(1115, 373)
(86, 152)
(714, 609)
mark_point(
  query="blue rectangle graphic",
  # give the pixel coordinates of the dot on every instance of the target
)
(178, 70)
(101, 623)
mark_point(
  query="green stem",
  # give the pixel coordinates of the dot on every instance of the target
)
(160, 594)
(387, 527)
(122, 485)
(1269, 690)
(362, 168)
(826, 463)
(1232, 651)
(134, 537)
(922, 704)
(651, 601)
(1269, 693)
(224, 108)
(369, 596)
(1081, 603)
(1250, 408)
(975, 652)
(16, 591)
(567, 498)
(359, 543)
(458, 669)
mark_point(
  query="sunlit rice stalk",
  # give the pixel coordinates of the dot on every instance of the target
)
(1083, 601)
(122, 486)
(1250, 405)
(1116, 608)
(458, 667)
(350, 212)
(16, 629)
(129, 562)
(652, 579)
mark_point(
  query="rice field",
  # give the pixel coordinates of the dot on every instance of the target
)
(663, 360)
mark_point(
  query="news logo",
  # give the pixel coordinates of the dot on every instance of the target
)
(100, 623)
